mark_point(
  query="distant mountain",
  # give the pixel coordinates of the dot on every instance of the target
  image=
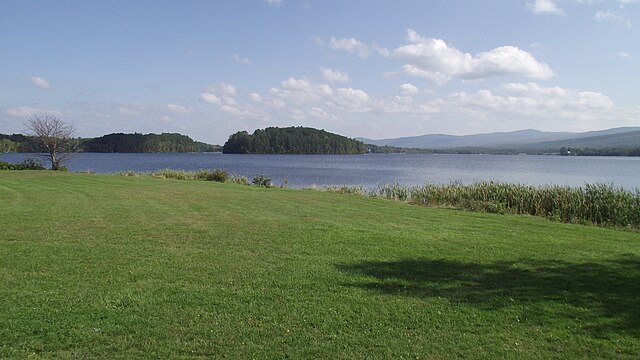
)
(595, 140)
(514, 139)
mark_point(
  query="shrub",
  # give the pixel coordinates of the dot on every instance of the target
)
(238, 179)
(218, 175)
(261, 180)
(31, 164)
(27, 164)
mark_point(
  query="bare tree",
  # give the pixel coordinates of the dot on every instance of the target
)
(55, 136)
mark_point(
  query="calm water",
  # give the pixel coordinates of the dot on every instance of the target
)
(373, 169)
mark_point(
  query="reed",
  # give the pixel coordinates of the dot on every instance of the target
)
(599, 204)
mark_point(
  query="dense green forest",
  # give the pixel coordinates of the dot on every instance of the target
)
(18, 143)
(148, 143)
(292, 140)
(116, 143)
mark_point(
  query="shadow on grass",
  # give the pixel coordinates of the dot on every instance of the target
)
(603, 297)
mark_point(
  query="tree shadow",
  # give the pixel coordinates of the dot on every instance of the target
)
(605, 296)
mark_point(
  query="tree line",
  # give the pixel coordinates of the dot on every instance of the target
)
(114, 143)
(292, 140)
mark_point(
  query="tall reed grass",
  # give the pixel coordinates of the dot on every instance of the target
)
(599, 204)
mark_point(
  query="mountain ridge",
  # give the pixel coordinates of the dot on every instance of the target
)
(516, 139)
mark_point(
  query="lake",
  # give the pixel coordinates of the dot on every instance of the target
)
(373, 169)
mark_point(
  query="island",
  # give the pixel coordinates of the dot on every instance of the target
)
(292, 140)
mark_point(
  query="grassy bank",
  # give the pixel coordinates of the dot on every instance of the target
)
(110, 267)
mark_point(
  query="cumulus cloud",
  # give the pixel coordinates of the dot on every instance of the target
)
(210, 98)
(241, 59)
(256, 97)
(223, 88)
(321, 114)
(511, 106)
(350, 100)
(298, 89)
(333, 76)
(545, 7)
(41, 82)
(350, 45)
(230, 102)
(514, 105)
(408, 89)
(437, 61)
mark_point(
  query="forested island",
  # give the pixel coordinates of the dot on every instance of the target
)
(116, 143)
(292, 140)
(148, 143)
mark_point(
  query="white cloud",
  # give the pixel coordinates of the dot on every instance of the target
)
(382, 51)
(545, 7)
(351, 100)
(210, 98)
(408, 89)
(179, 109)
(223, 88)
(319, 113)
(275, 3)
(622, 55)
(240, 59)
(350, 45)
(612, 17)
(512, 106)
(275, 103)
(435, 60)
(41, 82)
(299, 90)
(333, 76)
(255, 97)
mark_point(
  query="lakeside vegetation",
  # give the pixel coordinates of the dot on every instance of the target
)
(597, 204)
(291, 140)
(102, 266)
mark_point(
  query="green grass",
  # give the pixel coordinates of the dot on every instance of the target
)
(99, 266)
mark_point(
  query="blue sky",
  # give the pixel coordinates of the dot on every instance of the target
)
(359, 68)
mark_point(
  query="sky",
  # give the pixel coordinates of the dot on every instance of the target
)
(367, 68)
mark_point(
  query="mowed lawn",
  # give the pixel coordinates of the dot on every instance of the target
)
(101, 266)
